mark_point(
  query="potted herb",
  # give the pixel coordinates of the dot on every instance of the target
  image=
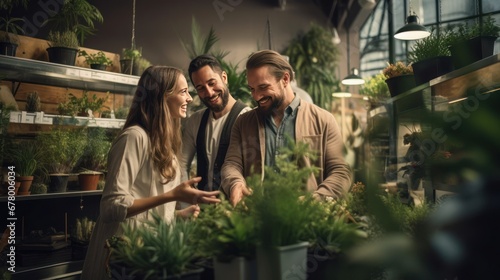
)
(159, 250)
(61, 149)
(430, 57)
(63, 47)
(399, 77)
(80, 106)
(281, 209)
(129, 59)
(229, 239)
(96, 60)
(375, 89)
(10, 27)
(93, 160)
(26, 157)
(470, 43)
(331, 231)
(73, 22)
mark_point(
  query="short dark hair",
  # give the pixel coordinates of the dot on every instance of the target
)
(277, 63)
(202, 61)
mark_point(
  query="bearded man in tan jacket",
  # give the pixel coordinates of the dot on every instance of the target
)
(258, 135)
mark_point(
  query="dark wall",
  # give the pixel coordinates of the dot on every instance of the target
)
(161, 24)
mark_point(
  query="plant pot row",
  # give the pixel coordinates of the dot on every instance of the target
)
(462, 54)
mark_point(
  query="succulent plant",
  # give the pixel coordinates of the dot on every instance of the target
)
(33, 103)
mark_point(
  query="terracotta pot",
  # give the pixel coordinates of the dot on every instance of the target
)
(88, 181)
(25, 184)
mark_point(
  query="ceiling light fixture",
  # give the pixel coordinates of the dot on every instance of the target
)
(353, 78)
(413, 30)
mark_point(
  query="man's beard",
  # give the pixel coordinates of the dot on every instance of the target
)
(276, 103)
(224, 96)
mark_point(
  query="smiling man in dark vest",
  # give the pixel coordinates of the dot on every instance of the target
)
(206, 133)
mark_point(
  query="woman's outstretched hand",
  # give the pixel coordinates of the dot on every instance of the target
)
(187, 192)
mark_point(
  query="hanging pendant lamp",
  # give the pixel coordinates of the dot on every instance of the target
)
(353, 78)
(413, 30)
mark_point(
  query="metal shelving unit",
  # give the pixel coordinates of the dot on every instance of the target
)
(24, 70)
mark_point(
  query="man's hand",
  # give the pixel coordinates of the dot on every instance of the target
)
(237, 192)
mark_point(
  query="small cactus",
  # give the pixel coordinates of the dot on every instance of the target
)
(38, 188)
(33, 102)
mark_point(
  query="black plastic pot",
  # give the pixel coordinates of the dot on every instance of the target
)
(58, 183)
(62, 55)
(98, 66)
(400, 84)
(431, 68)
(472, 50)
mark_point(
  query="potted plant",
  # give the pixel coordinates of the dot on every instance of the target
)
(80, 106)
(159, 250)
(376, 90)
(331, 231)
(470, 43)
(70, 25)
(10, 27)
(81, 237)
(399, 77)
(93, 160)
(96, 60)
(61, 149)
(63, 47)
(38, 188)
(430, 57)
(281, 209)
(229, 240)
(26, 157)
(128, 60)
(33, 103)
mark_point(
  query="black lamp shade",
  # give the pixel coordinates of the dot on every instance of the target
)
(412, 30)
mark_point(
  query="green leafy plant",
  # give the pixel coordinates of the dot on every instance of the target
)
(38, 188)
(277, 209)
(95, 58)
(80, 105)
(131, 53)
(202, 44)
(66, 39)
(228, 232)
(26, 157)
(332, 228)
(314, 58)
(33, 103)
(61, 149)
(76, 16)
(11, 25)
(96, 150)
(375, 88)
(158, 249)
(434, 45)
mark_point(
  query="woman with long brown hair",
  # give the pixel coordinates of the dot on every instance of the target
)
(143, 170)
